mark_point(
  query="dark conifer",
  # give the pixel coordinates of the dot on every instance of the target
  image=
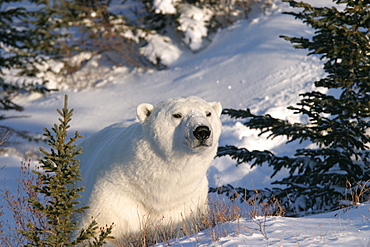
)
(338, 121)
(58, 192)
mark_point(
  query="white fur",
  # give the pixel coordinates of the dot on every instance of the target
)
(152, 172)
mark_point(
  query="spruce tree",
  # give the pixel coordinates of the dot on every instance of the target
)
(14, 54)
(58, 189)
(338, 121)
(11, 55)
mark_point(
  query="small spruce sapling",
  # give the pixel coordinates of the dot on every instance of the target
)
(60, 173)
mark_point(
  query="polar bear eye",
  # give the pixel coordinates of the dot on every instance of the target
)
(177, 115)
(208, 114)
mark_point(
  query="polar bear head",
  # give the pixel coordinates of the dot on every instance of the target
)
(189, 125)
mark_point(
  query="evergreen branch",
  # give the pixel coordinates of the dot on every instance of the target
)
(268, 124)
(256, 158)
(60, 173)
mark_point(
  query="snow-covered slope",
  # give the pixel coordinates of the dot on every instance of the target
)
(341, 228)
(245, 66)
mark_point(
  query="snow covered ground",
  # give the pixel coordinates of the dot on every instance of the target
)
(246, 66)
(340, 228)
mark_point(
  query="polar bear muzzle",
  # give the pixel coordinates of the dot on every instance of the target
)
(202, 137)
(198, 133)
(202, 133)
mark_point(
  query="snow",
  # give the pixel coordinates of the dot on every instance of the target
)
(193, 23)
(160, 49)
(340, 228)
(246, 65)
(165, 6)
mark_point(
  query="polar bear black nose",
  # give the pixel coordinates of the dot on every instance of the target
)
(202, 132)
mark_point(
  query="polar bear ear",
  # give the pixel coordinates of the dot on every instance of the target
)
(217, 107)
(143, 111)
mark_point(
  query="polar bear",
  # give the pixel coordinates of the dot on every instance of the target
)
(152, 174)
